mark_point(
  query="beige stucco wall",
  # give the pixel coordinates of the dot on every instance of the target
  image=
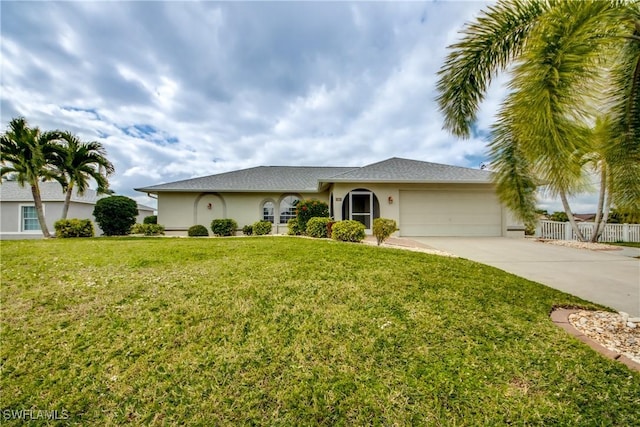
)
(389, 200)
(179, 211)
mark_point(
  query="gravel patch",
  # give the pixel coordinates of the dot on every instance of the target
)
(616, 331)
(581, 245)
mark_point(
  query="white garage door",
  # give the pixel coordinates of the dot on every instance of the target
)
(449, 213)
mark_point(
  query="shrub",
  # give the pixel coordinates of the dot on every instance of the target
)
(559, 216)
(116, 215)
(261, 228)
(247, 230)
(148, 229)
(198, 231)
(310, 208)
(383, 228)
(66, 228)
(348, 231)
(151, 219)
(530, 228)
(318, 227)
(224, 227)
(294, 229)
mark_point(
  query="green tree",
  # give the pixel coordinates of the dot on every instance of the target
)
(116, 215)
(77, 164)
(571, 63)
(26, 155)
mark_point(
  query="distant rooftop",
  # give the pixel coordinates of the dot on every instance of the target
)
(11, 191)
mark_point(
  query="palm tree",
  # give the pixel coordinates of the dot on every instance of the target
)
(77, 164)
(25, 155)
(570, 62)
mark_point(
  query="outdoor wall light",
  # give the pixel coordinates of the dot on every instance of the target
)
(390, 199)
(209, 206)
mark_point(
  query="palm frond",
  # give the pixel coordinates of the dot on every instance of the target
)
(512, 173)
(489, 44)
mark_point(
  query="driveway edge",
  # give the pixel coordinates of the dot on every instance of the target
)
(560, 316)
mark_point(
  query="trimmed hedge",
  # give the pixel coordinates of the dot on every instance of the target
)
(247, 230)
(73, 227)
(348, 231)
(294, 228)
(148, 229)
(116, 215)
(224, 227)
(318, 227)
(261, 228)
(383, 228)
(198, 231)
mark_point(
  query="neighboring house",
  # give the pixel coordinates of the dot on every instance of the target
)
(18, 217)
(426, 199)
(585, 217)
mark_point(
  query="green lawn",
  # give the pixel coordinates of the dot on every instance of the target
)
(629, 244)
(286, 331)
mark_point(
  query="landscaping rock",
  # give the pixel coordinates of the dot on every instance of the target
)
(612, 330)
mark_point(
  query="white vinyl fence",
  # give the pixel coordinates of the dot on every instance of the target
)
(612, 233)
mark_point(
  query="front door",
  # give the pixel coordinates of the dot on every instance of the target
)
(361, 207)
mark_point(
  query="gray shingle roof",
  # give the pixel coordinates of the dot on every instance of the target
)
(310, 179)
(10, 191)
(405, 170)
(258, 179)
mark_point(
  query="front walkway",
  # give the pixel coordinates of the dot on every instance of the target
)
(604, 277)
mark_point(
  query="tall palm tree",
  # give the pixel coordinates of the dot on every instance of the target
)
(25, 154)
(570, 62)
(77, 164)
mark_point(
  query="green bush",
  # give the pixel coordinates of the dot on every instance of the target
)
(310, 208)
(116, 215)
(66, 228)
(318, 227)
(247, 230)
(559, 216)
(348, 231)
(148, 229)
(383, 228)
(198, 231)
(530, 228)
(151, 219)
(261, 228)
(294, 229)
(224, 227)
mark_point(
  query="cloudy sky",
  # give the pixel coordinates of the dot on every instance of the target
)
(181, 89)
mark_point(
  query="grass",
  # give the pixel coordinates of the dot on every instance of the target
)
(629, 244)
(286, 331)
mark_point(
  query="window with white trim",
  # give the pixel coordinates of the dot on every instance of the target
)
(268, 212)
(30, 218)
(288, 208)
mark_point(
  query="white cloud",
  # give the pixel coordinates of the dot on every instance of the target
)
(182, 89)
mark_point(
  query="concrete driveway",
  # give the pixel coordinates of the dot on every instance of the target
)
(605, 277)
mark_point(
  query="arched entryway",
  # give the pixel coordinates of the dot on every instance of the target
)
(208, 206)
(361, 205)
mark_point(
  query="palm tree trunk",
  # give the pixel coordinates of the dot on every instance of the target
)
(67, 201)
(603, 189)
(37, 199)
(567, 210)
(605, 218)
